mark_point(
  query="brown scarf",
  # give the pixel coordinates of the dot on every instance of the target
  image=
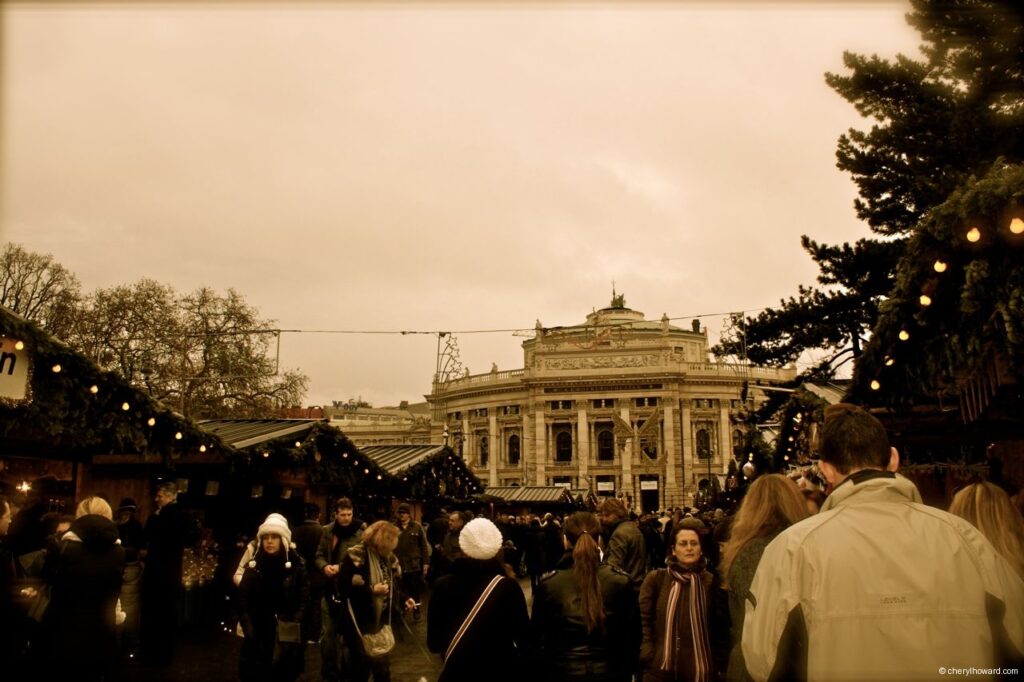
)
(697, 613)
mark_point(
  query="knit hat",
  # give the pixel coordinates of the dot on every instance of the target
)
(404, 508)
(276, 525)
(480, 539)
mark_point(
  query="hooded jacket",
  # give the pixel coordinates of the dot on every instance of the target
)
(627, 550)
(85, 580)
(879, 586)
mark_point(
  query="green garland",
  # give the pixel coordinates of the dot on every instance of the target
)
(922, 348)
(75, 410)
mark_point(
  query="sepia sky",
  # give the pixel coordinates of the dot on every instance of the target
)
(456, 166)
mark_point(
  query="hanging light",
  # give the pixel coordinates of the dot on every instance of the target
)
(19, 345)
(904, 335)
(125, 406)
(56, 369)
(94, 389)
(973, 234)
(298, 444)
(875, 385)
(152, 421)
(202, 448)
(177, 435)
(925, 300)
(266, 454)
(939, 266)
(889, 362)
(1017, 226)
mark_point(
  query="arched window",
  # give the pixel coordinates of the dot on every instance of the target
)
(513, 450)
(737, 443)
(605, 445)
(483, 451)
(563, 447)
(703, 444)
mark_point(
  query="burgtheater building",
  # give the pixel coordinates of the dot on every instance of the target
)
(619, 405)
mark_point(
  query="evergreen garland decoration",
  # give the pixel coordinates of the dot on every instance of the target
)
(922, 347)
(75, 410)
(794, 445)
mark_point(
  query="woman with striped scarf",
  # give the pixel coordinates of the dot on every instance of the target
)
(685, 633)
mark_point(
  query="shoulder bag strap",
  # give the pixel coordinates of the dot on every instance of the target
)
(355, 623)
(472, 614)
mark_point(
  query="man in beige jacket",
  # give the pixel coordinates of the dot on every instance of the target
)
(878, 586)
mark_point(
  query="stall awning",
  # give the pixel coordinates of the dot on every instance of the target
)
(397, 458)
(244, 433)
(528, 494)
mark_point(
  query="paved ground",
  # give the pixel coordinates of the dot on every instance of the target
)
(205, 656)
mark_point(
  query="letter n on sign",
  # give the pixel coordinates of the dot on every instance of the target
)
(14, 372)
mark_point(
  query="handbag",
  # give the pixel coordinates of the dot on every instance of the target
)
(377, 644)
(289, 631)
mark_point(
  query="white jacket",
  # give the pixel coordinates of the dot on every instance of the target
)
(887, 588)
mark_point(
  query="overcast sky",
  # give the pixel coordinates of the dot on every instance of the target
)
(421, 167)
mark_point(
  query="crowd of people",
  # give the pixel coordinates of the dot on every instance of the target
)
(873, 585)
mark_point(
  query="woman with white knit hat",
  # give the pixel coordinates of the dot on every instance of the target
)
(273, 596)
(477, 618)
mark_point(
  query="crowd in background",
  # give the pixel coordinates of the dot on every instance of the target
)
(865, 583)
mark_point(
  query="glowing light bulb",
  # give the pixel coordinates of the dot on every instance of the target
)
(889, 362)
(202, 448)
(125, 406)
(1017, 226)
(177, 436)
(366, 471)
(151, 421)
(298, 444)
(973, 234)
(94, 389)
(875, 385)
(19, 345)
(56, 369)
(266, 454)
(939, 266)
(904, 335)
(925, 300)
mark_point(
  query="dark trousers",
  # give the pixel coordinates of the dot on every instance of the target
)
(363, 666)
(158, 620)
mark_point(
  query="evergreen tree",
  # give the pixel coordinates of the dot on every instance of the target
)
(935, 123)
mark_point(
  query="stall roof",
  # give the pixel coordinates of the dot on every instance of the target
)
(398, 458)
(531, 494)
(243, 433)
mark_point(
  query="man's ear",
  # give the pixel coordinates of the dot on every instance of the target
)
(894, 459)
(829, 472)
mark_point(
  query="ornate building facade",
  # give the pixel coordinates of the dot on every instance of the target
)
(619, 405)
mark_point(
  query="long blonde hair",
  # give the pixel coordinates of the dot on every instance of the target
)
(772, 503)
(988, 507)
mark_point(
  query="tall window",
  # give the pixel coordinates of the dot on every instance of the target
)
(605, 445)
(513, 450)
(563, 447)
(703, 444)
(737, 443)
(483, 450)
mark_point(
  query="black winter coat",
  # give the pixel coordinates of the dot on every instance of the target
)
(497, 647)
(271, 591)
(566, 651)
(85, 579)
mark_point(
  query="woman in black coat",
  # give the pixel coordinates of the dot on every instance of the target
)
(273, 597)
(368, 586)
(79, 639)
(585, 617)
(497, 645)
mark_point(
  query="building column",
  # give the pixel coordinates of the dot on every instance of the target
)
(628, 484)
(492, 438)
(522, 447)
(467, 442)
(725, 437)
(671, 490)
(583, 436)
(686, 440)
(542, 447)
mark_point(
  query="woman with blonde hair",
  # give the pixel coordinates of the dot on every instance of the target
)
(79, 639)
(772, 504)
(367, 584)
(584, 613)
(989, 509)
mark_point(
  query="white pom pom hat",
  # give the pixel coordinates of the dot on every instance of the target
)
(275, 525)
(480, 539)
